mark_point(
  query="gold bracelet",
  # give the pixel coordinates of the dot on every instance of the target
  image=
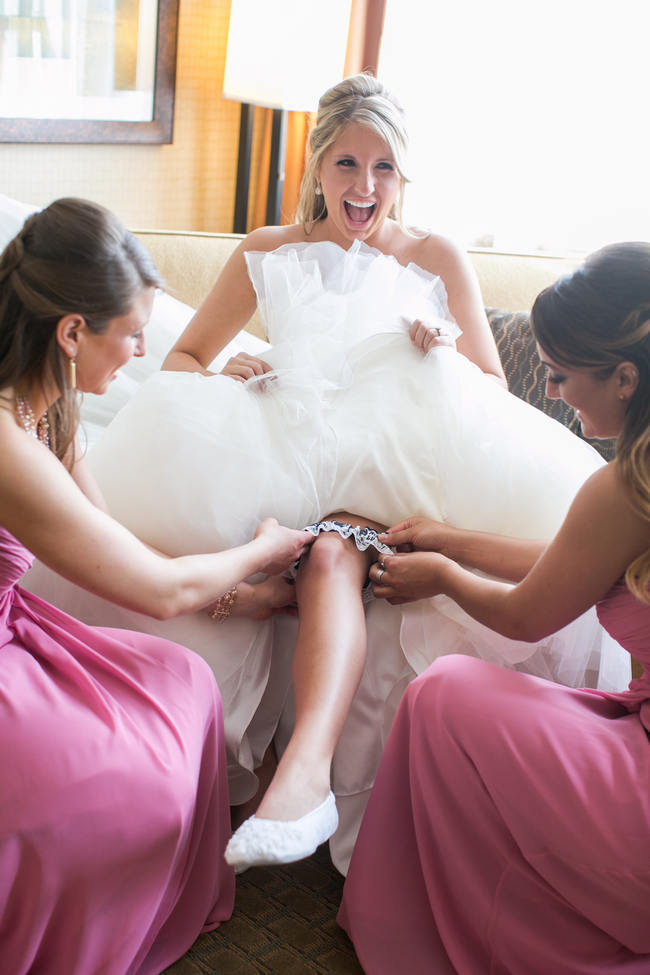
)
(223, 606)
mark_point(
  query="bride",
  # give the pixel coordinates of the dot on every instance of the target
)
(381, 396)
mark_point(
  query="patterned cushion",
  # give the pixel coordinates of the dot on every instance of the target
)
(525, 373)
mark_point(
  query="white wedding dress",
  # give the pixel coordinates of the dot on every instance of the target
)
(353, 418)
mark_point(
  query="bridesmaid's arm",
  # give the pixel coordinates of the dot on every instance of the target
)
(497, 555)
(85, 480)
(42, 507)
(259, 600)
(599, 538)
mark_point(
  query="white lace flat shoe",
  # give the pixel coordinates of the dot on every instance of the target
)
(260, 842)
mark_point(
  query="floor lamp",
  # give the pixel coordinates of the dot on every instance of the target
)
(282, 54)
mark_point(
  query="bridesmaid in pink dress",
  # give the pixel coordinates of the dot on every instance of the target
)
(114, 807)
(509, 827)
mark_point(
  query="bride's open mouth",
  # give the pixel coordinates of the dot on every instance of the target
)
(359, 214)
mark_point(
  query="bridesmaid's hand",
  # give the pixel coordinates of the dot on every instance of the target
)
(244, 366)
(285, 545)
(261, 600)
(408, 576)
(418, 534)
(426, 336)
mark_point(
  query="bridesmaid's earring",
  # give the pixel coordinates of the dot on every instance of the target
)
(73, 373)
(318, 191)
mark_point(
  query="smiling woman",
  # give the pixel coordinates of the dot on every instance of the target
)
(519, 803)
(135, 842)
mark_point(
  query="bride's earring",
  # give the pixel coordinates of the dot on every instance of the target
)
(318, 191)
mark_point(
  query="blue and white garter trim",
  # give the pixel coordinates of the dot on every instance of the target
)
(363, 537)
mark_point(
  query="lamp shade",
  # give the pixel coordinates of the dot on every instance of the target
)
(285, 53)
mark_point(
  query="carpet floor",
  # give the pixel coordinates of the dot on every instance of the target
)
(284, 923)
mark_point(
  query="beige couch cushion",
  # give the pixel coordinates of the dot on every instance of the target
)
(513, 281)
(190, 263)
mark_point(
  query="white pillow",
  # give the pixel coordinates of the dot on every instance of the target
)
(169, 317)
(12, 216)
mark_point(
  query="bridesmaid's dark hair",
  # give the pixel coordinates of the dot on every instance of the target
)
(594, 319)
(73, 257)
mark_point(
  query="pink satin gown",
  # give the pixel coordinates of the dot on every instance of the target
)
(508, 832)
(113, 794)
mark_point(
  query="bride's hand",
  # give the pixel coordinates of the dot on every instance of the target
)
(243, 366)
(261, 600)
(425, 336)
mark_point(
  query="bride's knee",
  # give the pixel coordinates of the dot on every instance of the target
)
(330, 554)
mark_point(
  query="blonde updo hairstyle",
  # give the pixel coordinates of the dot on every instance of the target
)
(73, 257)
(594, 319)
(361, 100)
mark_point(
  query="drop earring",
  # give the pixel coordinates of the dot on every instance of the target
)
(73, 373)
(318, 191)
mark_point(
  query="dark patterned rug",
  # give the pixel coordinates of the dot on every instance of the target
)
(284, 923)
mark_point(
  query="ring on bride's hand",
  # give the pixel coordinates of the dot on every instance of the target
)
(380, 573)
(437, 331)
(382, 564)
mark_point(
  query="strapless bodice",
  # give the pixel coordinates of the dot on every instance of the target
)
(627, 620)
(15, 560)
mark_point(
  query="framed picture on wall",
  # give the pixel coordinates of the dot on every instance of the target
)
(88, 72)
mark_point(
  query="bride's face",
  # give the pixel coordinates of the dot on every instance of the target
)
(360, 184)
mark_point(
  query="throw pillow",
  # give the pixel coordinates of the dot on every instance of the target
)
(168, 320)
(525, 374)
(12, 216)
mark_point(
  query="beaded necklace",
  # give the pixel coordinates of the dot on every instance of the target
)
(40, 429)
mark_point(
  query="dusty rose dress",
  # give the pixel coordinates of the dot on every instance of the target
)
(509, 827)
(113, 794)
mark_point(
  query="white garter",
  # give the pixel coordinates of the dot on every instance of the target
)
(363, 536)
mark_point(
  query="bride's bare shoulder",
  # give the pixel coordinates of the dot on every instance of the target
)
(270, 238)
(434, 253)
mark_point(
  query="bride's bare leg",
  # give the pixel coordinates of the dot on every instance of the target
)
(329, 658)
(265, 773)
